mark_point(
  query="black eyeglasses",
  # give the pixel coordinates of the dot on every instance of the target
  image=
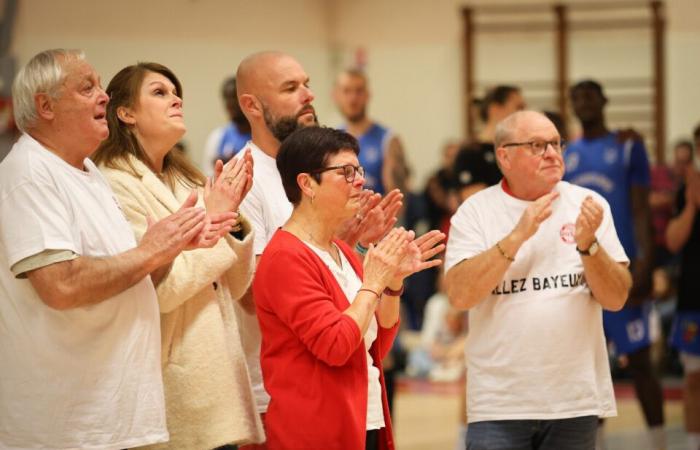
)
(538, 148)
(349, 171)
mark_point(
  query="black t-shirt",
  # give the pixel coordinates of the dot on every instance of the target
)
(480, 160)
(689, 280)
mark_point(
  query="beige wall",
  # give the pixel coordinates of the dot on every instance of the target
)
(413, 47)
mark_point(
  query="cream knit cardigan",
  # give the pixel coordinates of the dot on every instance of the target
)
(208, 396)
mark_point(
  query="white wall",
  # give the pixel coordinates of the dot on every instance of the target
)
(414, 53)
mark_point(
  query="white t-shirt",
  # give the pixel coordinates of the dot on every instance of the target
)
(88, 377)
(350, 283)
(211, 148)
(266, 207)
(535, 348)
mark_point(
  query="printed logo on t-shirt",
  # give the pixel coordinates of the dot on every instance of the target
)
(610, 155)
(572, 162)
(635, 330)
(567, 233)
(560, 281)
(371, 154)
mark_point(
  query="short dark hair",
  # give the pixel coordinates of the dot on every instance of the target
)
(308, 149)
(499, 95)
(587, 84)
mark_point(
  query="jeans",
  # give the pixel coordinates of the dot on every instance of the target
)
(578, 433)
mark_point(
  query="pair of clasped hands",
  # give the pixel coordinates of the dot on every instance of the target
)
(193, 227)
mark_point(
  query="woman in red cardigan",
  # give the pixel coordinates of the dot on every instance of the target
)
(325, 324)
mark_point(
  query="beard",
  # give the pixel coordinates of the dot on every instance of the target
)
(284, 126)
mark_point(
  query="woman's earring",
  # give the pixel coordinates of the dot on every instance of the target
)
(313, 195)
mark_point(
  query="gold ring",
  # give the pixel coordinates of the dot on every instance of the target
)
(229, 180)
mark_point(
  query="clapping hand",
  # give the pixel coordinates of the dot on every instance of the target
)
(383, 260)
(420, 253)
(228, 187)
(375, 217)
(589, 219)
(536, 213)
(167, 237)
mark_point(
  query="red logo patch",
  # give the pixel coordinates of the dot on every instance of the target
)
(567, 233)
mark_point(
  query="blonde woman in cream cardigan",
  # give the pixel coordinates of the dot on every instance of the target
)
(209, 401)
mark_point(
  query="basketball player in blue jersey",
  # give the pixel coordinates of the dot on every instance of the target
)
(224, 142)
(615, 164)
(381, 152)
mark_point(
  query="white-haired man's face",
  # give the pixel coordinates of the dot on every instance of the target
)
(79, 112)
(535, 170)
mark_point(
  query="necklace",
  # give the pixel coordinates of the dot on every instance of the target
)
(305, 229)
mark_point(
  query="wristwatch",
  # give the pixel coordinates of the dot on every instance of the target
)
(591, 251)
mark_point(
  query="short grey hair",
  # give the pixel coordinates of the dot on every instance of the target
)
(504, 128)
(44, 73)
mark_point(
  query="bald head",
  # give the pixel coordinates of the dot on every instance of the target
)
(274, 94)
(256, 67)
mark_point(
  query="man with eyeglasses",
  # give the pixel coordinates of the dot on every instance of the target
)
(535, 260)
(615, 165)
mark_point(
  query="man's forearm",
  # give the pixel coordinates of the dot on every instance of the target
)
(472, 280)
(608, 280)
(88, 280)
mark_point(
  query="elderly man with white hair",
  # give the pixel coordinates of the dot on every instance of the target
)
(79, 321)
(536, 260)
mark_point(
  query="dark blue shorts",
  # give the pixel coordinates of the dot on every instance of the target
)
(628, 329)
(685, 334)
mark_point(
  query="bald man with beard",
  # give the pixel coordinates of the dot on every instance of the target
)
(274, 95)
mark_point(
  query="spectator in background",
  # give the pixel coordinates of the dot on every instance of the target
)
(498, 103)
(225, 142)
(665, 181)
(558, 122)
(440, 355)
(440, 203)
(616, 167)
(683, 236)
(382, 153)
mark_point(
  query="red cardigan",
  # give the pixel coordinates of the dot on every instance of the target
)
(313, 356)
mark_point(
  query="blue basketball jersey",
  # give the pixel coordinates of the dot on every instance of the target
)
(232, 141)
(611, 168)
(372, 149)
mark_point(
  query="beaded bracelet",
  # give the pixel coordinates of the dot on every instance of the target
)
(509, 258)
